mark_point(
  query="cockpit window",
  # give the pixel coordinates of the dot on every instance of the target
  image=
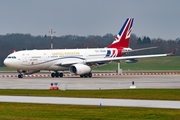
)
(11, 57)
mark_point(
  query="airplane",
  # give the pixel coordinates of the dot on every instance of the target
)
(77, 61)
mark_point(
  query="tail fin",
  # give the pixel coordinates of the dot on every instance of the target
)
(123, 37)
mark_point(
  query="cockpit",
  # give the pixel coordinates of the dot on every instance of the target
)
(11, 61)
(11, 57)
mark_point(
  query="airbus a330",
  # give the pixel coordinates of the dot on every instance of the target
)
(77, 61)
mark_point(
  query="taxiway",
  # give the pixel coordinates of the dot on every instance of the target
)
(96, 82)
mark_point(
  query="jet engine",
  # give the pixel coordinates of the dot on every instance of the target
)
(27, 72)
(131, 61)
(79, 69)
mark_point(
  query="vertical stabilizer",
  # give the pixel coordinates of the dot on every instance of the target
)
(123, 37)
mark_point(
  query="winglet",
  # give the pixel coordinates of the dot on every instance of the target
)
(171, 53)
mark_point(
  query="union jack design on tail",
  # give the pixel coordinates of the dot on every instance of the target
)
(112, 53)
(123, 37)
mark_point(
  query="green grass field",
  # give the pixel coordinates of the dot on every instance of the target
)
(153, 94)
(21, 111)
(157, 63)
(25, 111)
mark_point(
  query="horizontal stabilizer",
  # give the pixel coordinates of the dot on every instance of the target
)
(171, 53)
(148, 48)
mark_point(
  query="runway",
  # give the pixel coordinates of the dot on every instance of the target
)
(96, 82)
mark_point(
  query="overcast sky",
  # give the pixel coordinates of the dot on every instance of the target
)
(153, 18)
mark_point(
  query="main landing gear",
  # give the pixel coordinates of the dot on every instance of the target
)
(56, 74)
(60, 74)
(86, 75)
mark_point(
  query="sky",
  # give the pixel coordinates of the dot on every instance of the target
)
(152, 18)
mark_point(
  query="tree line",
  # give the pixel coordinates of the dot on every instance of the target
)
(10, 42)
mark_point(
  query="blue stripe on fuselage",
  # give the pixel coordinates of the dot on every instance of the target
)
(58, 59)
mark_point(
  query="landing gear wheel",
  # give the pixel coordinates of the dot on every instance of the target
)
(20, 76)
(61, 74)
(52, 75)
(90, 75)
(85, 75)
(57, 74)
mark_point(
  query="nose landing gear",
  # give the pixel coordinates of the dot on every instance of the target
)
(20, 75)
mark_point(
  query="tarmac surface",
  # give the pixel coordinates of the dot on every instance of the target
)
(96, 82)
(93, 101)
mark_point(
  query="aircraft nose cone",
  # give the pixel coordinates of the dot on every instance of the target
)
(7, 63)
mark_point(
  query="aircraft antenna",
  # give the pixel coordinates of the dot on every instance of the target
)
(51, 41)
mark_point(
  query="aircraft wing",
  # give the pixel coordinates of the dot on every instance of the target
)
(64, 63)
(129, 57)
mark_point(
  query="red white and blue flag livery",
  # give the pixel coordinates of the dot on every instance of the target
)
(121, 41)
(77, 61)
(123, 37)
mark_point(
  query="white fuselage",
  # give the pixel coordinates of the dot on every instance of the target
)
(55, 59)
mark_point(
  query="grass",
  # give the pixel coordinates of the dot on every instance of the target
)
(157, 63)
(6, 69)
(21, 111)
(152, 94)
(25, 111)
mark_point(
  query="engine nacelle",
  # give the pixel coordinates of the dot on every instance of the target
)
(27, 72)
(131, 61)
(79, 69)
